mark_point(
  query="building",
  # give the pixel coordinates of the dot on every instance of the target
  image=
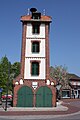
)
(69, 87)
(34, 87)
(75, 85)
(72, 89)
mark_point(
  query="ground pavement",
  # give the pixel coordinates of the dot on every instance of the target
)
(66, 106)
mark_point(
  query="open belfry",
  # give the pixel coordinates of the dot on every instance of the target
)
(34, 87)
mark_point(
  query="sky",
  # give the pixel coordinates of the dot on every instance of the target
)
(64, 30)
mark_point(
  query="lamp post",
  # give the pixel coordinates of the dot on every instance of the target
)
(6, 98)
(0, 95)
(7, 86)
(58, 86)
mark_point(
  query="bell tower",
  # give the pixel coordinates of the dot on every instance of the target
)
(35, 60)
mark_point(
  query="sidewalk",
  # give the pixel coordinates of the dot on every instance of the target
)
(61, 109)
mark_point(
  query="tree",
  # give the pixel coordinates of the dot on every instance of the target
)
(60, 74)
(5, 65)
(8, 72)
(15, 69)
(14, 72)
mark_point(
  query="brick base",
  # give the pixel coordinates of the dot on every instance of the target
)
(29, 84)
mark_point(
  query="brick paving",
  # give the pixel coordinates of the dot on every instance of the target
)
(66, 103)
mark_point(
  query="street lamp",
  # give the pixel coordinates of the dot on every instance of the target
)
(7, 86)
(58, 86)
(1, 95)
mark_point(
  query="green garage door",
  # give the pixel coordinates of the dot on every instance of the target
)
(44, 97)
(25, 97)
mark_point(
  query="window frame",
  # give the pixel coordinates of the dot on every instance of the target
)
(35, 47)
(35, 28)
(35, 73)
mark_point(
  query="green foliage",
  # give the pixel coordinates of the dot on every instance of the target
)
(7, 73)
(4, 72)
(15, 69)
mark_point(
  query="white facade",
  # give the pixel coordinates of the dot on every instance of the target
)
(75, 83)
(28, 52)
(27, 73)
(29, 56)
(40, 35)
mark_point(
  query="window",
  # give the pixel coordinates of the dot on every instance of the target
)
(36, 15)
(66, 94)
(36, 28)
(35, 68)
(35, 47)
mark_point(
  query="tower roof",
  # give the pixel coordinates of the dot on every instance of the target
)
(28, 18)
(35, 16)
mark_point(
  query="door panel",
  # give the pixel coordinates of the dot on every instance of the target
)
(25, 97)
(44, 97)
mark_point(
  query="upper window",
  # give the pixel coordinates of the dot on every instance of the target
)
(36, 28)
(35, 68)
(36, 15)
(35, 47)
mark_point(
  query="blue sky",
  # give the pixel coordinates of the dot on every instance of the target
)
(64, 30)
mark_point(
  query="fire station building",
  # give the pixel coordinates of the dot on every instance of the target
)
(34, 87)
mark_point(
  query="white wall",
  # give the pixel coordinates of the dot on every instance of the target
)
(75, 83)
(29, 56)
(28, 52)
(27, 74)
(40, 35)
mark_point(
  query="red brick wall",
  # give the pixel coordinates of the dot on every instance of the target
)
(24, 28)
(29, 84)
(47, 49)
